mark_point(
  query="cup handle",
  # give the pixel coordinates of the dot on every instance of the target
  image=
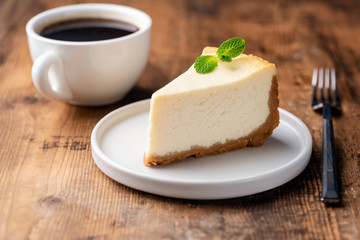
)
(56, 86)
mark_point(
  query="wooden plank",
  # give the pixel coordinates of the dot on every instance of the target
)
(51, 188)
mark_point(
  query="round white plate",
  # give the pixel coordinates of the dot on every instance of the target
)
(118, 142)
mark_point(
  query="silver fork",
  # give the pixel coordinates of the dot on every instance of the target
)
(327, 100)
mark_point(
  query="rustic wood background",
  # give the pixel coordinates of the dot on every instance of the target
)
(50, 187)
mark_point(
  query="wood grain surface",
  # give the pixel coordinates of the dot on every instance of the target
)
(50, 187)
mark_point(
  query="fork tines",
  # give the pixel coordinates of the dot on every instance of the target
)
(325, 81)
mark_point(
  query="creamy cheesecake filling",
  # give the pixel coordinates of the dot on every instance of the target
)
(255, 139)
(203, 120)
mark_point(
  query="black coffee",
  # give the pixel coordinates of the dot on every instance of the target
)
(84, 30)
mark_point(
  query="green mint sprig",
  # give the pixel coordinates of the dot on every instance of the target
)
(228, 50)
(205, 64)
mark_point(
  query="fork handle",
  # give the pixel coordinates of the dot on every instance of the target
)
(329, 167)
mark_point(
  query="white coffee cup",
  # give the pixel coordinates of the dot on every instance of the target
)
(88, 73)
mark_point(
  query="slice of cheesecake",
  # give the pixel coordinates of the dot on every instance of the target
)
(233, 107)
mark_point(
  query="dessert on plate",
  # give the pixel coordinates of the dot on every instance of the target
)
(197, 114)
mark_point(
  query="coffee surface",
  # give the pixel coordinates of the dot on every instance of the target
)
(84, 30)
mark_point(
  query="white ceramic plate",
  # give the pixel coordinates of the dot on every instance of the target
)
(118, 142)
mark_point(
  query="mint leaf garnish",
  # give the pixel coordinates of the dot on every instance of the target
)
(228, 50)
(205, 64)
(231, 49)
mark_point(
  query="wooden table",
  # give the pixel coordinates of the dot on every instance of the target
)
(52, 189)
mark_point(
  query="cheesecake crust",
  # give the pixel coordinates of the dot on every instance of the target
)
(255, 139)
